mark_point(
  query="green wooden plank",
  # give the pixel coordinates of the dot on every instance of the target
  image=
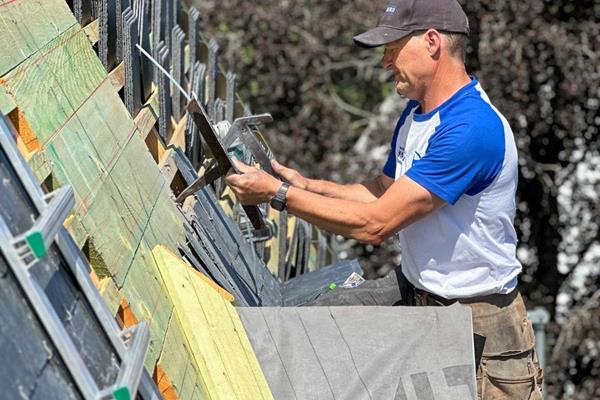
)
(50, 86)
(76, 229)
(115, 232)
(110, 294)
(174, 358)
(189, 382)
(143, 205)
(29, 25)
(106, 124)
(40, 165)
(7, 103)
(69, 155)
(148, 299)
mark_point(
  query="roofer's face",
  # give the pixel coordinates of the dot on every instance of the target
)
(407, 60)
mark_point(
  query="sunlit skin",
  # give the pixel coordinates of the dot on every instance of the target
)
(424, 70)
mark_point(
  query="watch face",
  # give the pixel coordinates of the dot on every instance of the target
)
(277, 204)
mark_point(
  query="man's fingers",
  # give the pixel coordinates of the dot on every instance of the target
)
(278, 168)
(281, 170)
(241, 166)
(232, 179)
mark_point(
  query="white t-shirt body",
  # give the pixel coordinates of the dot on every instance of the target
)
(464, 152)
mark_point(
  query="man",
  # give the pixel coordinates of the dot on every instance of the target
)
(447, 190)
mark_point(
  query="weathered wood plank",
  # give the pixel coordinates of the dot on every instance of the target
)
(7, 103)
(40, 165)
(117, 77)
(174, 358)
(149, 300)
(24, 131)
(148, 115)
(177, 361)
(228, 367)
(110, 294)
(165, 387)
(51, 86)
(92, 30)
(178, 136)
(28, 26)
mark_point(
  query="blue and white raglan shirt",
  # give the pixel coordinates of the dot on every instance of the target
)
(463, 152)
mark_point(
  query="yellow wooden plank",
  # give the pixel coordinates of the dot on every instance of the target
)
(218, 341)
(228, 297)
(224, 293)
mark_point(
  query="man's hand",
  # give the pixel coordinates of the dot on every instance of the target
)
(252, 186)
(290, 175)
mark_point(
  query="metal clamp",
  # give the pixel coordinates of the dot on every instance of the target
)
(223, 162)
(241, 129)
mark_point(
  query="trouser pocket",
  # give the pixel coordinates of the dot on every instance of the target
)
(509, 368)
(510, 378)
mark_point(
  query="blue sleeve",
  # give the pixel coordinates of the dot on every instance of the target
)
(389, 169)
(461, 159)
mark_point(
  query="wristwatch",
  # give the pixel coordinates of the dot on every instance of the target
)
(279, 201)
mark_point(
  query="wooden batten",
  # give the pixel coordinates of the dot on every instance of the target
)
(155, 145)
(125, 315)
(92, 30)
(165, 387)
(26, 139)
(117, 77)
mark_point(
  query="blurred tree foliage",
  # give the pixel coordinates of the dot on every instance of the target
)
(538, 60)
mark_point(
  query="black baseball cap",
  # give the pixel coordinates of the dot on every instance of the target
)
(402, 17)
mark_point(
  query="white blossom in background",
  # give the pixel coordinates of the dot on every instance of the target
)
(579, 250)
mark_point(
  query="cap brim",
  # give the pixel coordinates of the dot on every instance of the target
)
(379, 36)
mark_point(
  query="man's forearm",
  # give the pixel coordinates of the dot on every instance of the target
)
(402, 202)
(360, 192)
(335, 214)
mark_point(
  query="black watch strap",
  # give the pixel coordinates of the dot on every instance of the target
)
(279, 201)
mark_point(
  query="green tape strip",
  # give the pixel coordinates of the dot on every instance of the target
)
(36, 243)
(122, 393)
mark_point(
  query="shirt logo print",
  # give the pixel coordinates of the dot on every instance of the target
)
(401, 156)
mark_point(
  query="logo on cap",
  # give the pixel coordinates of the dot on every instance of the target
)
(390, 10)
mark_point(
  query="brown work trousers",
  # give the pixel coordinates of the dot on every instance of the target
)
(509, 368)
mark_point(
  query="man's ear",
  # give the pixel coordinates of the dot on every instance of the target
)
(433, 41)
